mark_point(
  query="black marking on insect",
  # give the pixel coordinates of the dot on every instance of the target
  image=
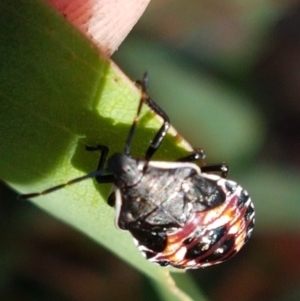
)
(179, 214)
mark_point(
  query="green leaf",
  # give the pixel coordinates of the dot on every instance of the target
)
(59, 94)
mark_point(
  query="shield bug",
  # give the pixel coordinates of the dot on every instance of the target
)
(180, 214)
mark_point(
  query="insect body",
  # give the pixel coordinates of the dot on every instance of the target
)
(179, 214)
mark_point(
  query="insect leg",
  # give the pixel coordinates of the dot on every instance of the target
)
(128, 143)
(98, 174)
(93, 174)
(106, 178)
(162, 131)
(222, 168)
(159, 111)
(145, 98)
(111, 201)
(198, 154)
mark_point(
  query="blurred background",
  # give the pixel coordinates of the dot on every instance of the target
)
(228, 74)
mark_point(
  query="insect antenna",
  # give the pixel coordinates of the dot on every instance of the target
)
(143, 86)
(60, 186)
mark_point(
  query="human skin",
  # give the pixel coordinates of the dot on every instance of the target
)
(105, 22)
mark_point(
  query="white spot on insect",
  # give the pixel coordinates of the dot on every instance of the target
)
(215, 220)
(186, 187)
(191, 263)
(219, 251)
(180, 254)
(205, 247)
(206, 240)
(233, 230)
(129, 215)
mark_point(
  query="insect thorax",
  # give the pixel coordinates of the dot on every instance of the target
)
(164, 199)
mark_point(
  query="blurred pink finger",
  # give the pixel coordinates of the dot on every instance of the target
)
(106, 22)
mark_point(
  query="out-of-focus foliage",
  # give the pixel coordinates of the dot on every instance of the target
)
(205, 59)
